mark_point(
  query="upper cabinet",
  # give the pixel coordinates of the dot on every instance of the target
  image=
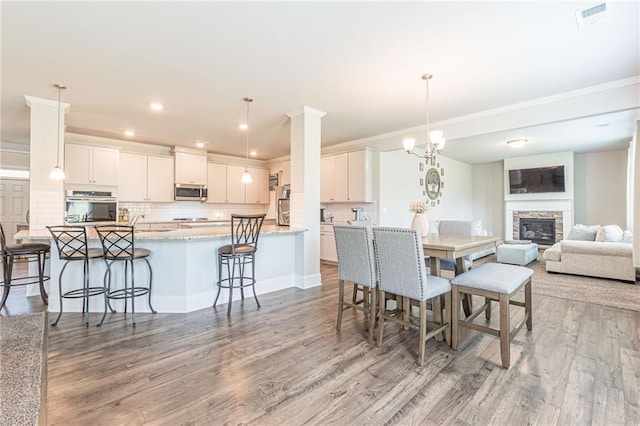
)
(334, 179)
(145, 178)
(225, 186)
(286, 173)
(93, 165)
(346, 178)
(216, 183)
(257, 192)
(190, 168)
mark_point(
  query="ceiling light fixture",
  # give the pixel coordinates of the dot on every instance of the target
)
(156, 106)
(517, 143)
(201, 144)
(57, 173)
(129, 133)
(435, 139)
(246, 176)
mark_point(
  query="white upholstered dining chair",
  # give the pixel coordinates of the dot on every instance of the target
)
(401, 271)
(356, 265)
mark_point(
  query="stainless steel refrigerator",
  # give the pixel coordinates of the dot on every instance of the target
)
(282, 216)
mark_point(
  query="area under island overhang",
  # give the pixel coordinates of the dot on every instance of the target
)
(184, 264)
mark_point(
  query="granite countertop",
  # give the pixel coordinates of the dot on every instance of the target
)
(213, 232)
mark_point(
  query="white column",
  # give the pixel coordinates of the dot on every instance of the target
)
(46, 196)
(305, 192)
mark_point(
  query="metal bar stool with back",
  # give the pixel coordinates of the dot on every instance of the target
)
(118, 245)
(241, 253)
(30, 252)
(72, 247)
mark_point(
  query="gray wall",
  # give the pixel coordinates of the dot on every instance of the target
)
(488, 196)
(600, 187)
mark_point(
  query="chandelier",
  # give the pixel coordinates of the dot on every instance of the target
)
(435, 138)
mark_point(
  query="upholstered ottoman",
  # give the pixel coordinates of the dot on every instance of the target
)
(517, 253)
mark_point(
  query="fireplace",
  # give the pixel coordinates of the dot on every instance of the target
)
(540, 231)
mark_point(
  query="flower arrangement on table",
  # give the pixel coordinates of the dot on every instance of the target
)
(418, 206)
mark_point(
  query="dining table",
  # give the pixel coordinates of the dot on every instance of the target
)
(455, 247)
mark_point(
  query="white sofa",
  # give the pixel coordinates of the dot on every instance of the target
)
(612, 258)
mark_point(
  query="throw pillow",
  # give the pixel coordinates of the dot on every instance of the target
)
(609, 233)
(583, 232)
(627, 237)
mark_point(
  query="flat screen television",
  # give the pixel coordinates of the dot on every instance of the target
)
(537, 180)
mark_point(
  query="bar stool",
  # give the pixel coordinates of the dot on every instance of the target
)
(245, 230)
(31, 252)
(118, 245)
(71, 242)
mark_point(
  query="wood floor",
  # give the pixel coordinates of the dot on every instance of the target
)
(285, 364)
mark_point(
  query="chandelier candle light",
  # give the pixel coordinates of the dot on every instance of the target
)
(246, 176)
(57, 173)
(435, 139)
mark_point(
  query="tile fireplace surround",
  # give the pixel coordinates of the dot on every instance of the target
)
(557, 215)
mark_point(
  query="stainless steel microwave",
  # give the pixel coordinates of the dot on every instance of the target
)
(185, 192)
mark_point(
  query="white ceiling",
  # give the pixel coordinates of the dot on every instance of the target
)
(359, 62)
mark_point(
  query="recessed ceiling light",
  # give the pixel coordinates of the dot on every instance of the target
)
(156, 106)
(517, 143)
(253, 153)
(129, 133)
(603, 125)
(243, 126)
(201, 144)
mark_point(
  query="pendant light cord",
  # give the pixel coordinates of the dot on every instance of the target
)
(426, 77)
(58, 150)
(246, 163)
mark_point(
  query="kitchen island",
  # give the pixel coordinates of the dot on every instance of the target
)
(184, 264)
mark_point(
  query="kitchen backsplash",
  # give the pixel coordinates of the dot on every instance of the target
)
(343, 213)
(168, 211)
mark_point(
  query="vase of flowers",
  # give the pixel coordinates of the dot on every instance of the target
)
(420, 221)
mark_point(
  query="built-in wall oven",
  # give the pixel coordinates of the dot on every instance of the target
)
(91, 206)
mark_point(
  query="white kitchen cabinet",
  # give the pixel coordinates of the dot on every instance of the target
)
(347, 178)
(334, 178)
(216, 183)
(286, 173)
(328, 250)
(360, 176)
(190, 168)
(235, 188)
(92, 165)
(145, 178)
(257, 192)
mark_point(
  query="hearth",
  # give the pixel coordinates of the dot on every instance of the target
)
(540, 231)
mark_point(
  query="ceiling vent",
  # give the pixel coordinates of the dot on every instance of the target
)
(593, 15)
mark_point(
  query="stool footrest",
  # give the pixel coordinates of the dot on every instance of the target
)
(478, 327)
(83, 292)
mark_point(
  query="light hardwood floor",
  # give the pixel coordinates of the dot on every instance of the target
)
(285, 364)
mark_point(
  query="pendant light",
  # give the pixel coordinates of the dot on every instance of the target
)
(435, 138)
(246, 176)
(57, 173)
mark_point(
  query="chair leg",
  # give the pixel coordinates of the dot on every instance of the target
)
(406, 310)
(381, 308)
(527, 304)
(86, 292)
(219, 280)
(253, 278)
(423, 330)
(231, 275)
(372, 313)
(150, 283)
(436, 308)
(107, 284)
(7, 279)
(487, 312)
(467, 305)
(340, 303)
(447, 319)
(241, 270)
(55, 323)
(42, 260)
(505, 329)
(455, 316)
(354, 296)
(133, 294)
